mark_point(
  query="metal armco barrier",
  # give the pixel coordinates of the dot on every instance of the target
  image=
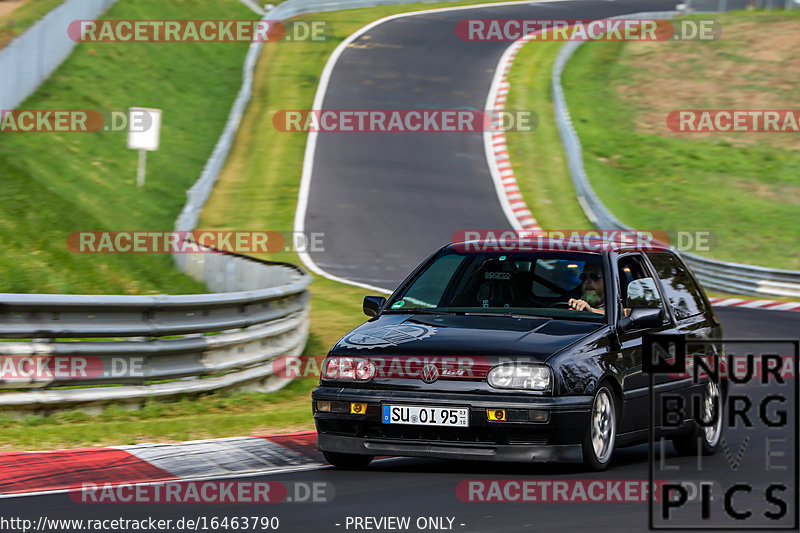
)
(714, 274)
(224, 340)
(32, 56)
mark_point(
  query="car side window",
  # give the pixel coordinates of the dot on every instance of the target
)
(679, 288)
(637, 286)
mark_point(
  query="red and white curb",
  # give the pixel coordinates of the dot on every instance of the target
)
(767, 305)
(508, 192)
(34, 472)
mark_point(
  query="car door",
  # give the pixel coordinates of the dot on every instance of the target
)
(638, 287)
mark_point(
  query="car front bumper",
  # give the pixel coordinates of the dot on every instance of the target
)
(558, 439)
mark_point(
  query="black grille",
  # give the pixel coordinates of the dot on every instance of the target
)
(338, 427)
(475, 435)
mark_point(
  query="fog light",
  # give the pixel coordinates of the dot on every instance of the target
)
(358, 408)
(536, 415)
(496, 415)
(324, 406)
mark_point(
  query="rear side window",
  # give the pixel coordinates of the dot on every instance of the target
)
(680, 289)
(637, 287)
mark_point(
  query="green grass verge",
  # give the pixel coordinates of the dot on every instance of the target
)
(744, 189)
(56, 183)
(215, 415)
(537, 157)
(21, 18)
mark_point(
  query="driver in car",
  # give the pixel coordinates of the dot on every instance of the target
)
(593, 298)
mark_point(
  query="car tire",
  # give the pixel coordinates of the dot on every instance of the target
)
(704, 440)
(348, 461)
(601, 435)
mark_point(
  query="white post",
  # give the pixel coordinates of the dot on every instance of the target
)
(142, 168)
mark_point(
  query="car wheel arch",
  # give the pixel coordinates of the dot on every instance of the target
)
(613, 383)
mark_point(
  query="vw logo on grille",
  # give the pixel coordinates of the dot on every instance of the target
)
(430, 373)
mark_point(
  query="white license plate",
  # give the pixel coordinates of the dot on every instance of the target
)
(425, 416)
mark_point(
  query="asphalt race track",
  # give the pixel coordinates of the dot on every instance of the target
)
(386, 201)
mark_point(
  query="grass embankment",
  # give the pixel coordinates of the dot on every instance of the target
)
(56, 183)
(16, 16)
(743, 187)
(257, 190)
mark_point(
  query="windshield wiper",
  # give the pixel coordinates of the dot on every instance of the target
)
(421, 311)
(509, 314)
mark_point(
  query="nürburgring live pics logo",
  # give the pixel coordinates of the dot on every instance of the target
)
(751, 483)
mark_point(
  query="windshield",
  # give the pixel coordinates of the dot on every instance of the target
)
(531, 283)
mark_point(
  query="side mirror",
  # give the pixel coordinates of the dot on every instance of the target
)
(641, 318)
(372, 305)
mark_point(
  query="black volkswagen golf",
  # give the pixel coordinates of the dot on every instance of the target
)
(521, 354)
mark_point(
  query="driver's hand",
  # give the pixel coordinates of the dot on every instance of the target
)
(579, 305)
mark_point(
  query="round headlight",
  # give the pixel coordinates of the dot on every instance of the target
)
(364, 369)
(522, 376)
(338, 367)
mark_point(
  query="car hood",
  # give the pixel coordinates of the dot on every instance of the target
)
(425, 335)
